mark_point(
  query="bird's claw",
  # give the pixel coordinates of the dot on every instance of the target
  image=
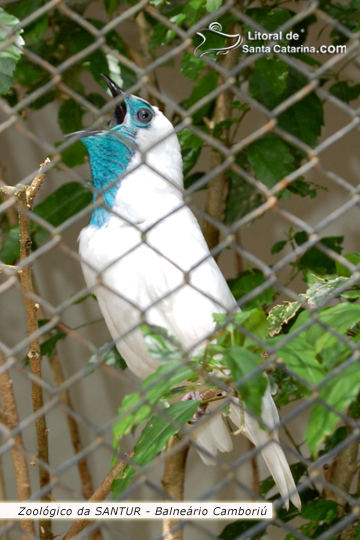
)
(195, 395)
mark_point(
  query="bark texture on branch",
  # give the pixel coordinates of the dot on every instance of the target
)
(21, 470)
(99, 495)
(173, 483)
(217, 188)
(25, 199)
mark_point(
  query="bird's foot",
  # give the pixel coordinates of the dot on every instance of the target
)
(195, 395)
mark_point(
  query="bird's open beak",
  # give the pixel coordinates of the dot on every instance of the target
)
(120, 110)
(83, 133)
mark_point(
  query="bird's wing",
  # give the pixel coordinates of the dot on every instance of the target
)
(191, 284)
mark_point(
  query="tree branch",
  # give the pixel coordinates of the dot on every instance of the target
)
(341, 474)
(58, 374)
(99, 495)
(25, 199)
(173, 482)
(216, 193)
(21, 471)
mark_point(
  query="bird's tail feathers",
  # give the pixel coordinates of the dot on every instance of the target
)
(213, 435)
(275, 459)
(270, 448)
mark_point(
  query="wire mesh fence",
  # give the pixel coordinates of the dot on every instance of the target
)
(264, 100)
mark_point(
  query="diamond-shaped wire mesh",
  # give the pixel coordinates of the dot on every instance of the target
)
(268, 130)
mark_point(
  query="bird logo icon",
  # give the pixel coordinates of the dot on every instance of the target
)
(216, 28)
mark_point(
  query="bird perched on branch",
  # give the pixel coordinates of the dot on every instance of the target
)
(143, 252)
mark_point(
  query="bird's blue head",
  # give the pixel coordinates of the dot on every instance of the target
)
(110, 151)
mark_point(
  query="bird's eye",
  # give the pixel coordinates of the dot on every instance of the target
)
(144, 115)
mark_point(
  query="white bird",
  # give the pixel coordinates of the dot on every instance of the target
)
(143, 252)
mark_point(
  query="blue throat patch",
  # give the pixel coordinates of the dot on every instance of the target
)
(110, 155)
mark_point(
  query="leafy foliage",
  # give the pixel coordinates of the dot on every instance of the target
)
(12, 53)
(65, 202)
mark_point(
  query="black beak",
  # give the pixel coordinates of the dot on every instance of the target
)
(120, 110)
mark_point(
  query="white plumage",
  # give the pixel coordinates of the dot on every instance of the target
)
(151, 258)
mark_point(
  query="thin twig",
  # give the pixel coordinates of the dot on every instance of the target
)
(216, 193)
(342, 473)
(10, 211)
(144, 58)
(173, 482)
(22, 477)
(86, 482)
(25, 199)
(99, 495)
(2, 494)
(35, 185)
(58, 374)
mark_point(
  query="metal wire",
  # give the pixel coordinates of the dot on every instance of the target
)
(98, 437)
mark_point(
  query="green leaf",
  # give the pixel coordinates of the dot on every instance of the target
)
(192, 178)
(136, 407)
(271, 160)
(269, 17)
(161, 34)
(304, 119)
(202, 88)
(7, 67)
(190, 158)
(300, 357)
(319, 262)
(338, 392)
(352, 295)
(344, 91)
(246, 282)
(274, 73)
(188, 138)
(303, 189)
(318, 293)
(109, 355)
(70, 116)
(242, 362)
(288, 389)
(354, 258)
(213, 5)
(96, 63)
(61, 205)
(242, 198)
(239, 528)
(10, 249)
(160, 345)
(37, 29)
(341, 317)
(301, 237)
(320, 510)
(111, 5)
(74, 155)
(329, 349)
(278, 246)
(280, 315)
(154, 438)
(339, 435)
(9, 56)
(191, 146)
(48, 347)
(65, 202)
(191, 66)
